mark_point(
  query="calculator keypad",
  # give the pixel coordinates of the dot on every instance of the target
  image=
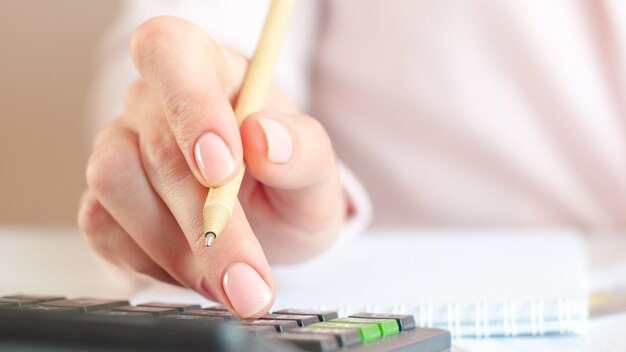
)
(405, 322)
(28, 299)
(345, 337)
(179, 307)
(84, 304)
(209, 313)
(311, 330)
(301, 320)
(279, 325)
(155, 311)
(322, 315)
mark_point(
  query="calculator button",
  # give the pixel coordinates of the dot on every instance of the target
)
(405, 321)
(368, 332)
(322, 315)
(155, 311)
(258, 330)
(21, 300)
(8, 303)
(308, 342)
(192, 319)
(85, 304)
(209, 313)
(179, 307)
(279, 325)
(346, 338)
(114, 314)
(218, 307)
(46, 309)
(387, 327)
(302, 320)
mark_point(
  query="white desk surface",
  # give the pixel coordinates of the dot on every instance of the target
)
(55, 260)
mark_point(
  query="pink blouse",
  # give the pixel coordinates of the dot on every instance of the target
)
(472, 113)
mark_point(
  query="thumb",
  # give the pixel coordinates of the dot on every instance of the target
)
(292, 156)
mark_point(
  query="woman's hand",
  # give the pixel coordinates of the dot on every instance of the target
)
(150, 168)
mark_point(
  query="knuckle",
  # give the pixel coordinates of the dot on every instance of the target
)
(184, 109)
(134, 92)
(163, 156)
(105, 133)
(88, 214)
(106, 169)
(160, 33)
(143, 265)
(181, 106)
(91, 218)
(152, 35)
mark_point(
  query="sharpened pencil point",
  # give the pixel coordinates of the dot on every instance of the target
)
(209, 237)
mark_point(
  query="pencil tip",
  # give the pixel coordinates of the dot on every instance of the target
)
(209, 237)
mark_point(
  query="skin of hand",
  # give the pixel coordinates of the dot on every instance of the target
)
(150, 168)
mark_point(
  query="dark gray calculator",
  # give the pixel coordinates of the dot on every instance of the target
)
(51, 323)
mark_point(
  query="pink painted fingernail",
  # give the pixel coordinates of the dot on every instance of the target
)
(279, 142)
(247, 291)
(214, 159)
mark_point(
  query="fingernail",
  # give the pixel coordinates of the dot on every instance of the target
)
(247, 291)
(279, 142)
(214, 159)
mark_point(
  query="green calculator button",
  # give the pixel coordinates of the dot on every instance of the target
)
(387, 327)
(368, 332)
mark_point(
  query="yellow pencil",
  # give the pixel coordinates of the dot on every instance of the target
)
(220, 201)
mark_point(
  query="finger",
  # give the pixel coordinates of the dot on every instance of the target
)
(189, 74)
(109, 240)
(293, 156)
(235, 266)
(116, 177)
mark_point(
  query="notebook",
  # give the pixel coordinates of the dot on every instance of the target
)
(475, 284)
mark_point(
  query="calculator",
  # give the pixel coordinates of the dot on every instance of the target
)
(54, 323)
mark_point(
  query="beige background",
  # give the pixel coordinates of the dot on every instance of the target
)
(47, 54)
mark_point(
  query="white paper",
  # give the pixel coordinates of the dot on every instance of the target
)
(475, 283)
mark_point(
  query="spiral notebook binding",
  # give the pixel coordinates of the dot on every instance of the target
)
(482, 319)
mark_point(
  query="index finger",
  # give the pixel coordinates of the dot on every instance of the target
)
(189, 73)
